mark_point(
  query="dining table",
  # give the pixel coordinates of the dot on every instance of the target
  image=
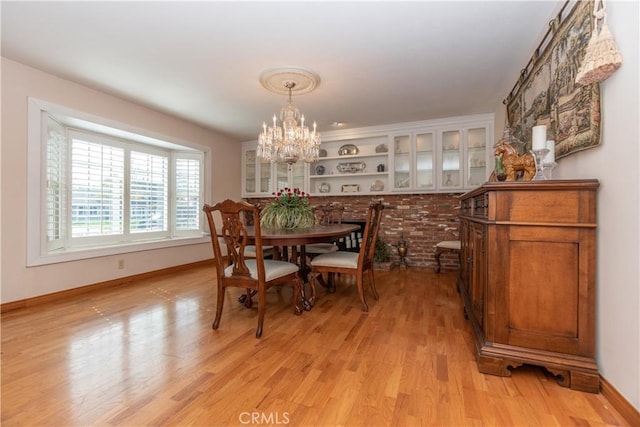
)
(299, 237)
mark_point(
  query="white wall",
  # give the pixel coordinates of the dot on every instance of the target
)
(19, 282)
(615, 163)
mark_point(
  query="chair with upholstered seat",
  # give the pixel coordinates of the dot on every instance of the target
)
(325, 214)
(445, 246)
(354, 263)
(255, 274)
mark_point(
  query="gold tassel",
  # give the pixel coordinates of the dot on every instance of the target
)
(602, 57)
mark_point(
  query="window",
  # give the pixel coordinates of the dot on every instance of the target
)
(105, 189)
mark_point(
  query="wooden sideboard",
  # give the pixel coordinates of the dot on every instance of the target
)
(527, 277)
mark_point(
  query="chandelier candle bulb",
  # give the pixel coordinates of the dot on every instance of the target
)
(551, 156)
(539, 137)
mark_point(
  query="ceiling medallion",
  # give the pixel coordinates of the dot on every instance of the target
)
(275, 79)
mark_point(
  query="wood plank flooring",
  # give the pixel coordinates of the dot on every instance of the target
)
(144, 354)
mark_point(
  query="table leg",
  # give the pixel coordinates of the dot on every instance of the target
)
(304, 270)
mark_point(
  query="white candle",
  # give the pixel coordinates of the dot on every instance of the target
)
(551, 156)
(539, 137)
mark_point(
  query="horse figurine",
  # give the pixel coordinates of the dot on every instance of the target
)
(514, 162)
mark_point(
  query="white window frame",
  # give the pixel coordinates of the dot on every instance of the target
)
(39, 251)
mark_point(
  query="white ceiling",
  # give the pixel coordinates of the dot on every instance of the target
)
(379, 62)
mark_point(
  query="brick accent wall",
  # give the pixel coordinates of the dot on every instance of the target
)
(422, 219)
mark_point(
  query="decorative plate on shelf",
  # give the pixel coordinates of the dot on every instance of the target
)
(378, 185)
(325, 187)
(382, 148)
(319, 170)
(322, 153)
(351, 167)
(348, 150)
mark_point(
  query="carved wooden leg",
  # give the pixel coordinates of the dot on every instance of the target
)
(577, 380)
(359, 284)
(219, 305)
(331, 286)
(262, 305)
(495, 366)
(246, 298)
(312, 284)
(373, 285)
(585, 381)
(437, 256)
(297, 284)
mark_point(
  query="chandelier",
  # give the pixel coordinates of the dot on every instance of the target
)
(289, 141)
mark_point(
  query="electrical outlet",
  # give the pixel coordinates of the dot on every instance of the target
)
(120, 264)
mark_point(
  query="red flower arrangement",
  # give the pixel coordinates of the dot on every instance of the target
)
(289, 209)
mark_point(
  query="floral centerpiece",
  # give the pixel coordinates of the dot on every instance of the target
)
(289, 209)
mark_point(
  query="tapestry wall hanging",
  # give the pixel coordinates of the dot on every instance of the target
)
(547, 93)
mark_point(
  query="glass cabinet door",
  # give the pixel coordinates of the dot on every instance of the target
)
(424, 160)
(476, 156)
(265, 176)
(297, 174)
(401, 162)
(282, 176)
(290, 176)
(256, 174)
(250, 171)
(450, 161)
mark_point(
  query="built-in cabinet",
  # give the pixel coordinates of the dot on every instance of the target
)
(348, 166)
(527, 277)
(262, 178)
(447, 155)
(451, 158)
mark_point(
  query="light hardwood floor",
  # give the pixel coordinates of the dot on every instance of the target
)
(144, 354)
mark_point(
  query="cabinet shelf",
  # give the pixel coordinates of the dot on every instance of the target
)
(348, 175)
(355, 156)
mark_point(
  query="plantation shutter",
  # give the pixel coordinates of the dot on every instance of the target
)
(188, 195)
(149, 192)
(56, 183)
(97, 189)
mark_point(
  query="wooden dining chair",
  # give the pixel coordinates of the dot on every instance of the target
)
(325, 214)
(255, 274)
(354, 263)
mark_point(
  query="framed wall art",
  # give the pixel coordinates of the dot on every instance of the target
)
(547, 94)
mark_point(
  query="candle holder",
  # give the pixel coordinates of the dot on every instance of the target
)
(539, 155)
(402, 252)
(547, 170)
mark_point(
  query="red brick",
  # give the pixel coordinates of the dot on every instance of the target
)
(422, 219)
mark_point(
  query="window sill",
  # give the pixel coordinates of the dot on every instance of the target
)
(75, 254)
